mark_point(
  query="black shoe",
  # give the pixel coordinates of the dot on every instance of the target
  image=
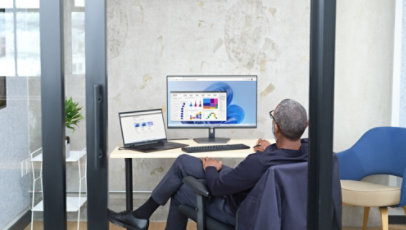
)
(127, 220)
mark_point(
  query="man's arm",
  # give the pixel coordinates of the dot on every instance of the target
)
(210, 162)
(261, 145)
(241, 178)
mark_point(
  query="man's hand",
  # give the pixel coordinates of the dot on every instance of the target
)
(211, 162)
(261, 145)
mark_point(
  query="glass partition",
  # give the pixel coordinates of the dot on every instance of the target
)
(74, 56)
(20, 115)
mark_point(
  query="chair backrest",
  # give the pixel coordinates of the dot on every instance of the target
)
(380, 150)
(278, 200)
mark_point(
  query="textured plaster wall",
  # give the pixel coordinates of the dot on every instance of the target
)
(402, 111)
(148, 40)
(364, 50)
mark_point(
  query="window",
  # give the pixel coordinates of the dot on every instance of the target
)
(78, 42)
(7, 47)
(20, 37)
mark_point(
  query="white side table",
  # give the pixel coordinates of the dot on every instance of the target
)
(73, 203)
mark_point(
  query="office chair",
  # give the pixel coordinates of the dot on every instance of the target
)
(277, 201)
(380, 150)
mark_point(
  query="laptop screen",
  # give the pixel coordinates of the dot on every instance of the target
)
(142, 127)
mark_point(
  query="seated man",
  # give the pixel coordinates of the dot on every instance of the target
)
(228, 186)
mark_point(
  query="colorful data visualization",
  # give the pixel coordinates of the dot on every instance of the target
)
(198, 106)
(196, 116)
(195, 104)
(144, 124)
(210, 103)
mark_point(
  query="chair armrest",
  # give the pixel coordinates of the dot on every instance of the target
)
(197, 186)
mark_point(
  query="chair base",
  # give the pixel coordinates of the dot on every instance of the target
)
(366, 215)
(384, 216)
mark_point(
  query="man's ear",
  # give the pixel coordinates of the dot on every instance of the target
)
(276, 128)
(307, 123)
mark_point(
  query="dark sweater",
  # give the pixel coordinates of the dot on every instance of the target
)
(236, 183)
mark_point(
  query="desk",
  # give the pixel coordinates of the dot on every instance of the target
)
(128, 155)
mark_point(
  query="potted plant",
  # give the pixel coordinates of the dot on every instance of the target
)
(72, 118)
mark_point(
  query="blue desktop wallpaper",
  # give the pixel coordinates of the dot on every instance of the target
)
(241, 102)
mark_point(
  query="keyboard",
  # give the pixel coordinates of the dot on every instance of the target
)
(211, 148)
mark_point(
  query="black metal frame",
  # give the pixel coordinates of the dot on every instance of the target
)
(322, 51)
(3, 92)
(96, 114)
(53, 114)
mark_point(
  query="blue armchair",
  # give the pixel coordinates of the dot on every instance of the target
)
(380, 150)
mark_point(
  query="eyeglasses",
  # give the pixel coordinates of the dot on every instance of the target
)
(272, 117)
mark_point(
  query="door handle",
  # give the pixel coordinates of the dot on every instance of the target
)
(98, 126)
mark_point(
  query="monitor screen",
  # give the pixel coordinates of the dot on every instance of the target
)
(212, 101)
(142, 126)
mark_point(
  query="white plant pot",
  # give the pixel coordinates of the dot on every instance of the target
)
(67, 149)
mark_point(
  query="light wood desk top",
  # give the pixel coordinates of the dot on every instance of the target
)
(174, 153)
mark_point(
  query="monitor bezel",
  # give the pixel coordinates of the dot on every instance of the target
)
(222, 126)
(142, 142)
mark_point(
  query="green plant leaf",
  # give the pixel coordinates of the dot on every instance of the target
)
(72, 114)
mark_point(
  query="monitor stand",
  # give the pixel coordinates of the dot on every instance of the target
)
(211, 138)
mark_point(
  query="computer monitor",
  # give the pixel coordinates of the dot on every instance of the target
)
(219, 101)
(142, 127)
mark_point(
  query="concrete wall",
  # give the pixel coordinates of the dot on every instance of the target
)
(364, 49)
(148, 40)
(402, 111)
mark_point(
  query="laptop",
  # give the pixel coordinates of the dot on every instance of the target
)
(144, 131)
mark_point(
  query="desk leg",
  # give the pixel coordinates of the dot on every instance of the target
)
(129, 183)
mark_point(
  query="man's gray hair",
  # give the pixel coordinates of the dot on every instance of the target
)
(291, 118)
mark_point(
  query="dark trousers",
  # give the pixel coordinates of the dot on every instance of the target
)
(171, 186)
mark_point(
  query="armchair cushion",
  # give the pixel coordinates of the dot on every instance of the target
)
(362, 193)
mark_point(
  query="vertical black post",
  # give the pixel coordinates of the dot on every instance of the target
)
(53, 113)
(129, 184)
(96, 114)
(322, 50)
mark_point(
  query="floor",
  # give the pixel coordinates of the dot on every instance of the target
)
(191, 226)
(83, 226)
